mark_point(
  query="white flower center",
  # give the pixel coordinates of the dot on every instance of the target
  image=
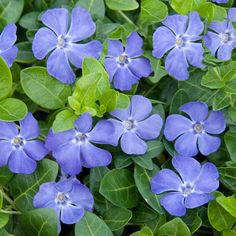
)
(129, 125)
(198, 128)
(61, 42)
(62, 198)
(80, 138)
(187, 189)
(123, 59)
(224, 37)
(17, 142)
(179, 42)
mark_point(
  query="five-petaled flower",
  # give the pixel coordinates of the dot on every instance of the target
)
(178, 37)
(18, 148)
(7, 39)
(124, 65)
(221, 40)
(190, 189)
(220, 1)
(69, 198)
(63, 41)
(194, 133)
(73, 148)
(134, 125)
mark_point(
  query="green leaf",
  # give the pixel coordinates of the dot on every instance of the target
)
(4, 218)
(183, 7)
(122, 101)
(5, 79)
(145, 231)
(180, 98)
(231, 232)
(95, 7)
(12, 109)
(118, 5)
(228, 203)
(5, 175)
(122, 160)
(152, 11)
(175, 227)
(25, 54)
(228, 177)
(30, 20)
(220, 101)
(117, 217)
(159, 70)
(119, 188)
(10, 11)
(40, 222)
(24, 187)
(142, 179)
(230, 141)
(91, 225)
(43, 89)
(219, 218)
(64, 121)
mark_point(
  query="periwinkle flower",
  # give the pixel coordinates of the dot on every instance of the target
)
(124, 65)
(69, 198)
(190, 189)
(61, 41)
(135, 125)
(178, 37)
(220, 1)
(73, 148)
(18, 147)
(7, 39)
(196, 131)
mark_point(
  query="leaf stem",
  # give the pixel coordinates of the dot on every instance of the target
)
(11, 212)
(8, 199)
(126, 18)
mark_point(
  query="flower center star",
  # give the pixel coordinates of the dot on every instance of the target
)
(61, 42)
(179, 42)
(198, 128)
(224, 37)
(123, 59)
(80, 138)
(17, 142)
(187, 189)
(128, 124)
(61, 198)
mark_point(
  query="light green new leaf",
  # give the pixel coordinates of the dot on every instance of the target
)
(118, 5)
(228, 203)
(145, 231)
(4, 218)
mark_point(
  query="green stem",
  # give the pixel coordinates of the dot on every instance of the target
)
(126, 18)
(10, 212)
(150, 90)
(8, 199)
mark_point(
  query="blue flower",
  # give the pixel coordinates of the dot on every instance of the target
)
(178, 37)
(69, 198)
(220, 1)
(195, 132)
(62, 42)
(135, 124)
(7, 39)
(18, 148)
(73, 148)
(190, 189)
(124, 65)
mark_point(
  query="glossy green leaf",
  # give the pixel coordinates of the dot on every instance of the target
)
(228, 177)
(180, 98)
(118, 5)
(30, 20)
(25, 54)
(145, 231)
(4, 218)
(230, 140)
(5, 175)
(228, 203)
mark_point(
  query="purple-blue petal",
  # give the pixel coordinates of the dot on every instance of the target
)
(215, 123)
(141, 67)
(224, 52)
(58, 66)
(57, 20)
(194, 54)
(44, 42)
(186, 144)
(29, 127)
(132, 144)
(71, 214)
(196, 200)
(5, 151)
(9, 55)
(232, 13)
(82, 25)
(163, 41)
(208, 144)
(150, 128)
(176, 64)
(174, 204)
(8, 37)
(119, 130)
(175, 126)
(8, 130)
(122, 114)
(219, 27)
(195, 25)
(212, 42)
(84, 123)
(134, 45)
(115, 48)
(197, 111)
(77, 52)
(92, 156)
(111, 67)
(165, 181)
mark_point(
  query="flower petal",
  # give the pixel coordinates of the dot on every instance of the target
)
(141, 67)
(166, 180)
(115, 48)
(174, 204)
(212, 42)
(111, 67)
(122, 114)
(29, 127)
(176, 23)
(208, 144)
(35, 149)
(10, 55)
(92, 156)
(194, 54)
(77, 52)
(196, 200)
(57, 20)
(84, 123)
(44, 41)
(82, 25)
(224, 52)
(175, 126)
(207, 181)
(215, 123)
(119, 130)
(232, 13)
(141, 107)
(21, 163)
(219, 27)
(71, 214)
(195, 25)
(186, 144)
(134, 45)
(68, 156)
(187, 167)
(59, 67)
(5, 151)
(163, 41)
(8, 130)
(197, 111)
(176, 64)
(132, 144)
(150, 128)
(8, 37)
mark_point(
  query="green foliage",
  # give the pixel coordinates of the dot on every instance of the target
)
(117, 5)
